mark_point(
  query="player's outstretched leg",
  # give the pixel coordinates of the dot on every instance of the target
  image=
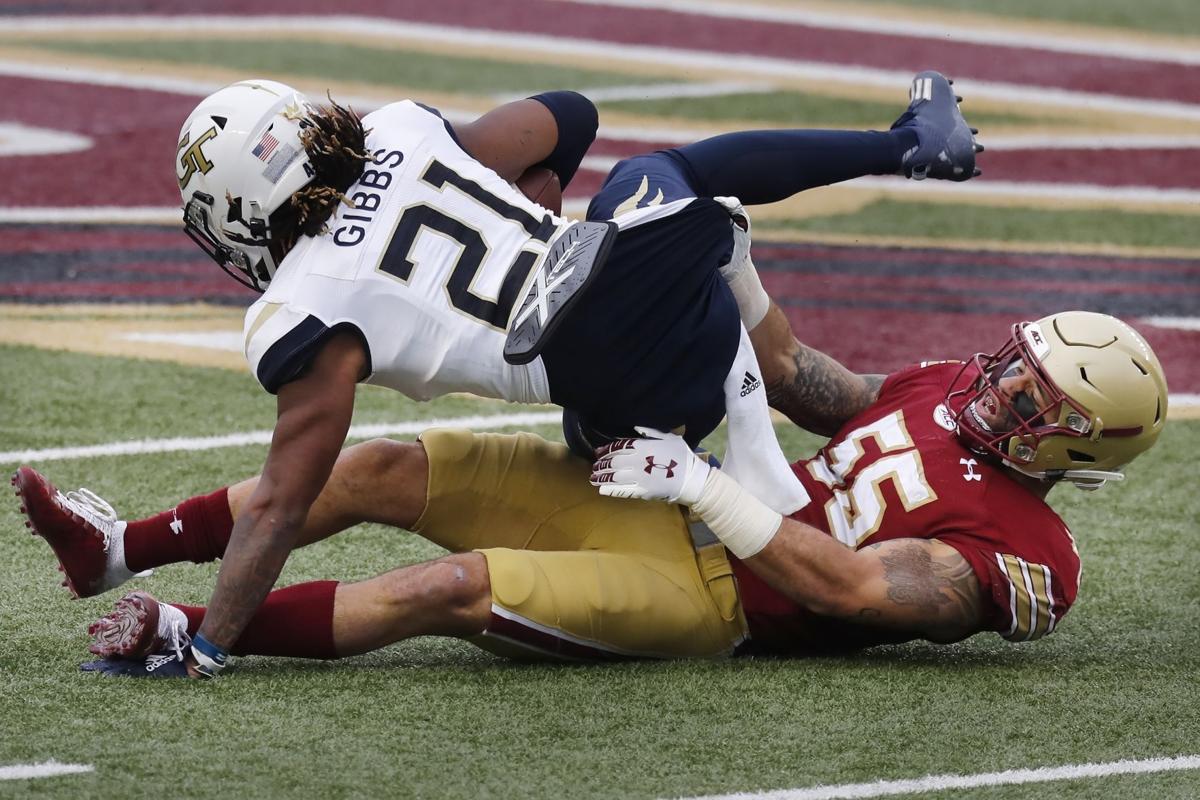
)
(376, 481)
(931, 139)
(946, 145)
(320, 619)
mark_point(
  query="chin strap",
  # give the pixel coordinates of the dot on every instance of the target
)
(1088, 480)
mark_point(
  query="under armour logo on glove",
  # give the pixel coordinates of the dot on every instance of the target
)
(659, 467)
(670, 468)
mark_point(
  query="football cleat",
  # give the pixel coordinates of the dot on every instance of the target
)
(159, 665)
(946, 145)
(81, 529)
(137, 627)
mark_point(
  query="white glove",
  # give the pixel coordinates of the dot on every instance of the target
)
(658, 467)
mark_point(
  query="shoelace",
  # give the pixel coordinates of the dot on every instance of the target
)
(179, 639)
(93, 508)
(175, 633)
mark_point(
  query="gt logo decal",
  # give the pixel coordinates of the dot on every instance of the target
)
(670, 468)
(193, 159)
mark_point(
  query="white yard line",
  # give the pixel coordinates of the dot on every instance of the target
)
(522, 419)
(225, 341)
(1064, 191)
(764, 68)
(131, 215)
(169, 215)
(1175, 323)
(893, 24)
(47, 769)
(939, 783)
(660, 91)
(193, 444)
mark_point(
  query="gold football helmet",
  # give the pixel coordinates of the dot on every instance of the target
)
(1093, 398)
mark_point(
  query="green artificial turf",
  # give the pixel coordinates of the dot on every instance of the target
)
(437, 718)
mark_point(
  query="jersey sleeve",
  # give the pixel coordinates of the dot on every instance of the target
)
(282, 340)
(1026, 595)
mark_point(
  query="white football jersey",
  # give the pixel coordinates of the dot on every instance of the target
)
(427, 266)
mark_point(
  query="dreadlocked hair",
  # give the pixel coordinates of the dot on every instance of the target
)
(335, 143)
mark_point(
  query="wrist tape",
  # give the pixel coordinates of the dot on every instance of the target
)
(752, 300)
(210, 659)
(742, 522)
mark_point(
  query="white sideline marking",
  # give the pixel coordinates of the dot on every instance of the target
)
(117, 215)
(47, 769)
(193, 444)
(1177, 323)
(1149, 195)
(215, 340)
(26, 140)
(939, 783)
(1066, 191)
(658, 91)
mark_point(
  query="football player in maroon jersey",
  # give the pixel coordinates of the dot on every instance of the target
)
(926, 519)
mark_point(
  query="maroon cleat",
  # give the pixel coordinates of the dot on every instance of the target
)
(78, 526)
(131, 630)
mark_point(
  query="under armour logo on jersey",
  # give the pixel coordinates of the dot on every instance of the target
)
(922, 89)
(176, 523)
(749, 384)
(970, 474)
(670, 468)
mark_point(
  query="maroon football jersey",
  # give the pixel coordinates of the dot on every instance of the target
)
(898, 470)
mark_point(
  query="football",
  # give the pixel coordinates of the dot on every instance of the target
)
(541, 186)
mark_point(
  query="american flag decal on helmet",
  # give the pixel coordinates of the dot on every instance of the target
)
(266, 145)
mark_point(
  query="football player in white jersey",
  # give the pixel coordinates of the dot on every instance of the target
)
(394, 249)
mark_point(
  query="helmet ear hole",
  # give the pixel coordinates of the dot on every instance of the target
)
(1076, 455)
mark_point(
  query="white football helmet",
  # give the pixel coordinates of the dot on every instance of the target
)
(239, 159)
(1101, 399)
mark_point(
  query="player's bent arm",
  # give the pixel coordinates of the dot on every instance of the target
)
(314, 414)
(912, 587)
(812, 389)
(510, 138)
(919, 586)
(552, 130)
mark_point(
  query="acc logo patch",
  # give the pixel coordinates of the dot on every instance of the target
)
(193, 160)
(944, 419)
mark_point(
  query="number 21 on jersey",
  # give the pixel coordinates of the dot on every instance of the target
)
(856, 509)
(473, 252)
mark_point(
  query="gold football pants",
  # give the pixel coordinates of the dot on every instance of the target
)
(575, 575)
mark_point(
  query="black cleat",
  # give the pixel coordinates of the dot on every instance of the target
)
(946, 145)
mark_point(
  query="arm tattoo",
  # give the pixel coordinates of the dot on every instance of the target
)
(822, 394)
(946, 589)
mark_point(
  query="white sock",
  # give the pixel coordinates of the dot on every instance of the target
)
(117, 571)
(753, 457)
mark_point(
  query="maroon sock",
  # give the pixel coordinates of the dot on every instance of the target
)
(196, 530)
(295, 621)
